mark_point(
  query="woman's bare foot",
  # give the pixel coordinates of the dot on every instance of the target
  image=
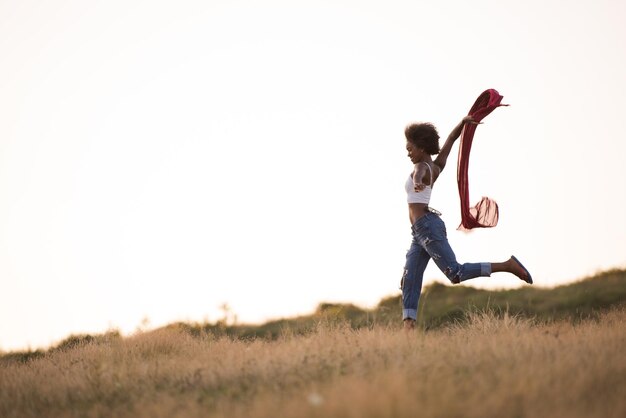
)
(519, 270)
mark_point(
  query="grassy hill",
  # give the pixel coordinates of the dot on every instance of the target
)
(486, 365)
(440, 305)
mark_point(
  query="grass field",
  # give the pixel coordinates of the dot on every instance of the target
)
(486, 366)
(516, 353)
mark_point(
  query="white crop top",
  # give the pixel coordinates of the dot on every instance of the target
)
(418, 197)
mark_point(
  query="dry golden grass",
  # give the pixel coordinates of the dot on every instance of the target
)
(488, 367)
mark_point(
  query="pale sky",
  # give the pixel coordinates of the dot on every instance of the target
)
(161, 158)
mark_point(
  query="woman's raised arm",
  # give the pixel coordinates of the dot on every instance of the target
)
(454, 135)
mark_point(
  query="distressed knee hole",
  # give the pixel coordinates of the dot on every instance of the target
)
(406, 271)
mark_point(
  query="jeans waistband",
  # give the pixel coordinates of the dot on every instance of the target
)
(424, 218)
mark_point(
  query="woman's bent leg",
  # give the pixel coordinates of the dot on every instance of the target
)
(411, 284)
(436, 243)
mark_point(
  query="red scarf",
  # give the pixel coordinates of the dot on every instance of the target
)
(485, 213)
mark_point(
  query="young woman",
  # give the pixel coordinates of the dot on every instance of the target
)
(429, 232)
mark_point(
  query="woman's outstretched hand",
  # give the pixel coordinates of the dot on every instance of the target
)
(470, 119)
(418, 187)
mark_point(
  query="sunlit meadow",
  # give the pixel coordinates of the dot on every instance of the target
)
(489, 365)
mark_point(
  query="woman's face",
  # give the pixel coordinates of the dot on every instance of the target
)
(414, 153)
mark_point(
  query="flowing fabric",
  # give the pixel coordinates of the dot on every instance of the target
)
(485, 213)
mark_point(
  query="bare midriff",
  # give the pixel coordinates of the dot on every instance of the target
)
(416, 211)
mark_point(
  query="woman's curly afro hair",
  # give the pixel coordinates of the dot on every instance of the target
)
(423, 135)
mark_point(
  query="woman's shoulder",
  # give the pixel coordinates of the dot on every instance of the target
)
(428, 166)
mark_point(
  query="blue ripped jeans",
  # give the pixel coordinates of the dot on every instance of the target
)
(430, 241)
